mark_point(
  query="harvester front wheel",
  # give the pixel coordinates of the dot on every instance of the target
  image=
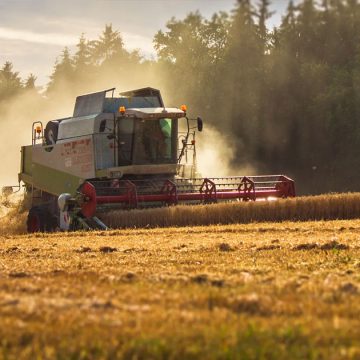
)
(39, 220)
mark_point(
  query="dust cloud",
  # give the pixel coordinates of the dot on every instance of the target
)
(17, 117)
(216, 155)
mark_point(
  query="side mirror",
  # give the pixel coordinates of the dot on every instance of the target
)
(199, 124)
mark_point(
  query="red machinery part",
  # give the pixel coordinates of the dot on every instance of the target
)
(88, 206)
(247, 186)
(131, 194)
(286, 186)
(170, 189)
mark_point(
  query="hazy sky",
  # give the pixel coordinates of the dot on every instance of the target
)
(34, 32)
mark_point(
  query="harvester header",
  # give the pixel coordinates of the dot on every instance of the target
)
(121, 153)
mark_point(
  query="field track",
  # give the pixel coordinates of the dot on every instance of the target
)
(258, 291)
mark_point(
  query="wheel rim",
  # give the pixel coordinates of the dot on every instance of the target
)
(34, 224)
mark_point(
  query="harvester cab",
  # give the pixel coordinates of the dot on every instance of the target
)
(121, 153)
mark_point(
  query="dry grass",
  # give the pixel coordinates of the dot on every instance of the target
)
(12, 215)
(322, 207)
(256, 291)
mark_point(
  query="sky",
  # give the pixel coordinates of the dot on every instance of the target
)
(34, 32)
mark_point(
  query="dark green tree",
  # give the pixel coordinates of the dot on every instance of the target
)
(82, 58)
(30, 82)
(264, 14)
(10, 81)
(63, 74)
(109, 45)
(190, 52)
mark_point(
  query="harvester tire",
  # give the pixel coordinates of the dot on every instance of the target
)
(39, 220)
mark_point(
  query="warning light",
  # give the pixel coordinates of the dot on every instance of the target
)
(183, 108)
(122, 110)
(38, 130)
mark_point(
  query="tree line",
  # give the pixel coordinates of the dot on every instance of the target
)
(288, 97)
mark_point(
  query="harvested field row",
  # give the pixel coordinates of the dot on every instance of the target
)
(255, 291)
(322, 207)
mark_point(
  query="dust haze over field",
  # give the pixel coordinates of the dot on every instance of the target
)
(15, 130)
(216, 154)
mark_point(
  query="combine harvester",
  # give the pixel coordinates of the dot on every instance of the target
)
(122, 153)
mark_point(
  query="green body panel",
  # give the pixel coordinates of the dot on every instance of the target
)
(46, 177)
(59, 168)
(26, 161)
(54, 181)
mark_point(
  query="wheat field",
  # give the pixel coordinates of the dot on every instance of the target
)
(287, 290)
(321, 207)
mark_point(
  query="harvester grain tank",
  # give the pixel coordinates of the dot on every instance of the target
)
(121, 153)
